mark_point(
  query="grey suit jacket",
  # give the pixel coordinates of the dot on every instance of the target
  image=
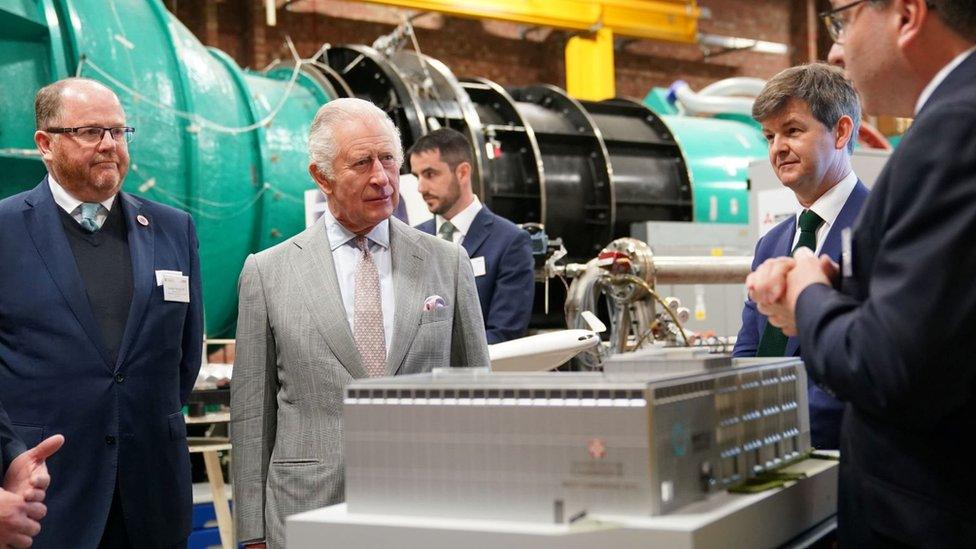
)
(296, 354)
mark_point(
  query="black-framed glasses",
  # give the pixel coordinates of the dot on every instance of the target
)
(92, 135)
(835, 20)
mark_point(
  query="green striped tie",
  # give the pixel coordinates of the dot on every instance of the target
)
(773, 342)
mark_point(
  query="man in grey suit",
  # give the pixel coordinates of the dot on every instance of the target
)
(358, 294)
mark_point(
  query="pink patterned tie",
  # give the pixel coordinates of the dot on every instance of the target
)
(368, 315)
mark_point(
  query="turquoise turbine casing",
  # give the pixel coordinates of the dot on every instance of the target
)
(187, 102)
(718, 152)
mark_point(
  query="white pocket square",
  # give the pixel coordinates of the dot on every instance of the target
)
(434, 302)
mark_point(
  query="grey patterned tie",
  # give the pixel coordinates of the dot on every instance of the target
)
(368, 313)
(88, 212)
(447, 231)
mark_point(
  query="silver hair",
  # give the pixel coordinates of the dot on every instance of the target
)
(323, 149)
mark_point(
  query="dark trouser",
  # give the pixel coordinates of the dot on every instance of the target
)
(115, 535)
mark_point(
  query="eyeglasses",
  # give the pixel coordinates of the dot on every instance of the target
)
(93, 135)
(835, 20)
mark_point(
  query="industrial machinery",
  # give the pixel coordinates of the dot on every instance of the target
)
(229, 145)
(718, 147)
(585, 170)
(620, 283)
(651, 434)
(225, 144)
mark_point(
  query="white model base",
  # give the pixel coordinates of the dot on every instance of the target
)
(767, 519)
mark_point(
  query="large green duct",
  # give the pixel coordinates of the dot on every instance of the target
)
(199, 142)
(718, 152)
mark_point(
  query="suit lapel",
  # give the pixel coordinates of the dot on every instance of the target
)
(142, 250)
(316, 271)
(428, 226)
(408, 262)
(44, 226)
(785, 248)
(784, 244)
(845, 218)
(479, 231)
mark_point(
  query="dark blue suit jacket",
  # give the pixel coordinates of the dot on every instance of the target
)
(896, 341)
(121, 421)
(507, 288)
(10, 445)
(825, 411)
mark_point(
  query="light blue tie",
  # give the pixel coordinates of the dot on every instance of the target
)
(88, 212)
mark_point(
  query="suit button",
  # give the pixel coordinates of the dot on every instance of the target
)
(119, 378)
(109, 439)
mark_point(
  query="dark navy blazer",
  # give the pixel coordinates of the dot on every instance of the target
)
(896, 342)
(121, 421)
(10, 445)
(825, 411)
(507, 288)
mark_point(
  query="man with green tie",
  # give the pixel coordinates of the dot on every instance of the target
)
(809, 116)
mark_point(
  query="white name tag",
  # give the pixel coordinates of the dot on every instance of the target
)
(846, 257)
(176, 287)
(161, 274)
(478, 265)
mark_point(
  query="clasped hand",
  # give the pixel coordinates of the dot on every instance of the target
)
(777, 283)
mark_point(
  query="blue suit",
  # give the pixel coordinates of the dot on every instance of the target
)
(507, 288)
(10, 445)
(121, 421)
(826, 412)
(895, 342)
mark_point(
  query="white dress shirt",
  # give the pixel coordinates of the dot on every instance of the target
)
(828, 207)
(939, 77)
(70, 204)
(346, 255)
(462, 221)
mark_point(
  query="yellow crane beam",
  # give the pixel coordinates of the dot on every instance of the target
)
(671, 20)
(589, 66)
(589, 55)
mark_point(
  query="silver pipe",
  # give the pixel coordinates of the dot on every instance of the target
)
(701, 269)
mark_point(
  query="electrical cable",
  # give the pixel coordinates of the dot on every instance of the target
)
(194, 118)
(621, 279)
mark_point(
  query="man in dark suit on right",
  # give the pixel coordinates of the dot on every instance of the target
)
(500, 252)
(889, 329)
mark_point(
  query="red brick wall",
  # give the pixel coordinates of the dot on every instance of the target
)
(498, 51)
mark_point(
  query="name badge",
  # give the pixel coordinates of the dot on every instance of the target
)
(176, 287)
(478, 265)
(846, 257)
(161, 274)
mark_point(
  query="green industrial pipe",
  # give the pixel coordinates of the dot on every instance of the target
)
(200, 142)
(718, 151)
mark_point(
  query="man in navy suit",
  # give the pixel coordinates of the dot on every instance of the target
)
(500, 252)
(888, 330)
(809, 115)
(100, 330)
